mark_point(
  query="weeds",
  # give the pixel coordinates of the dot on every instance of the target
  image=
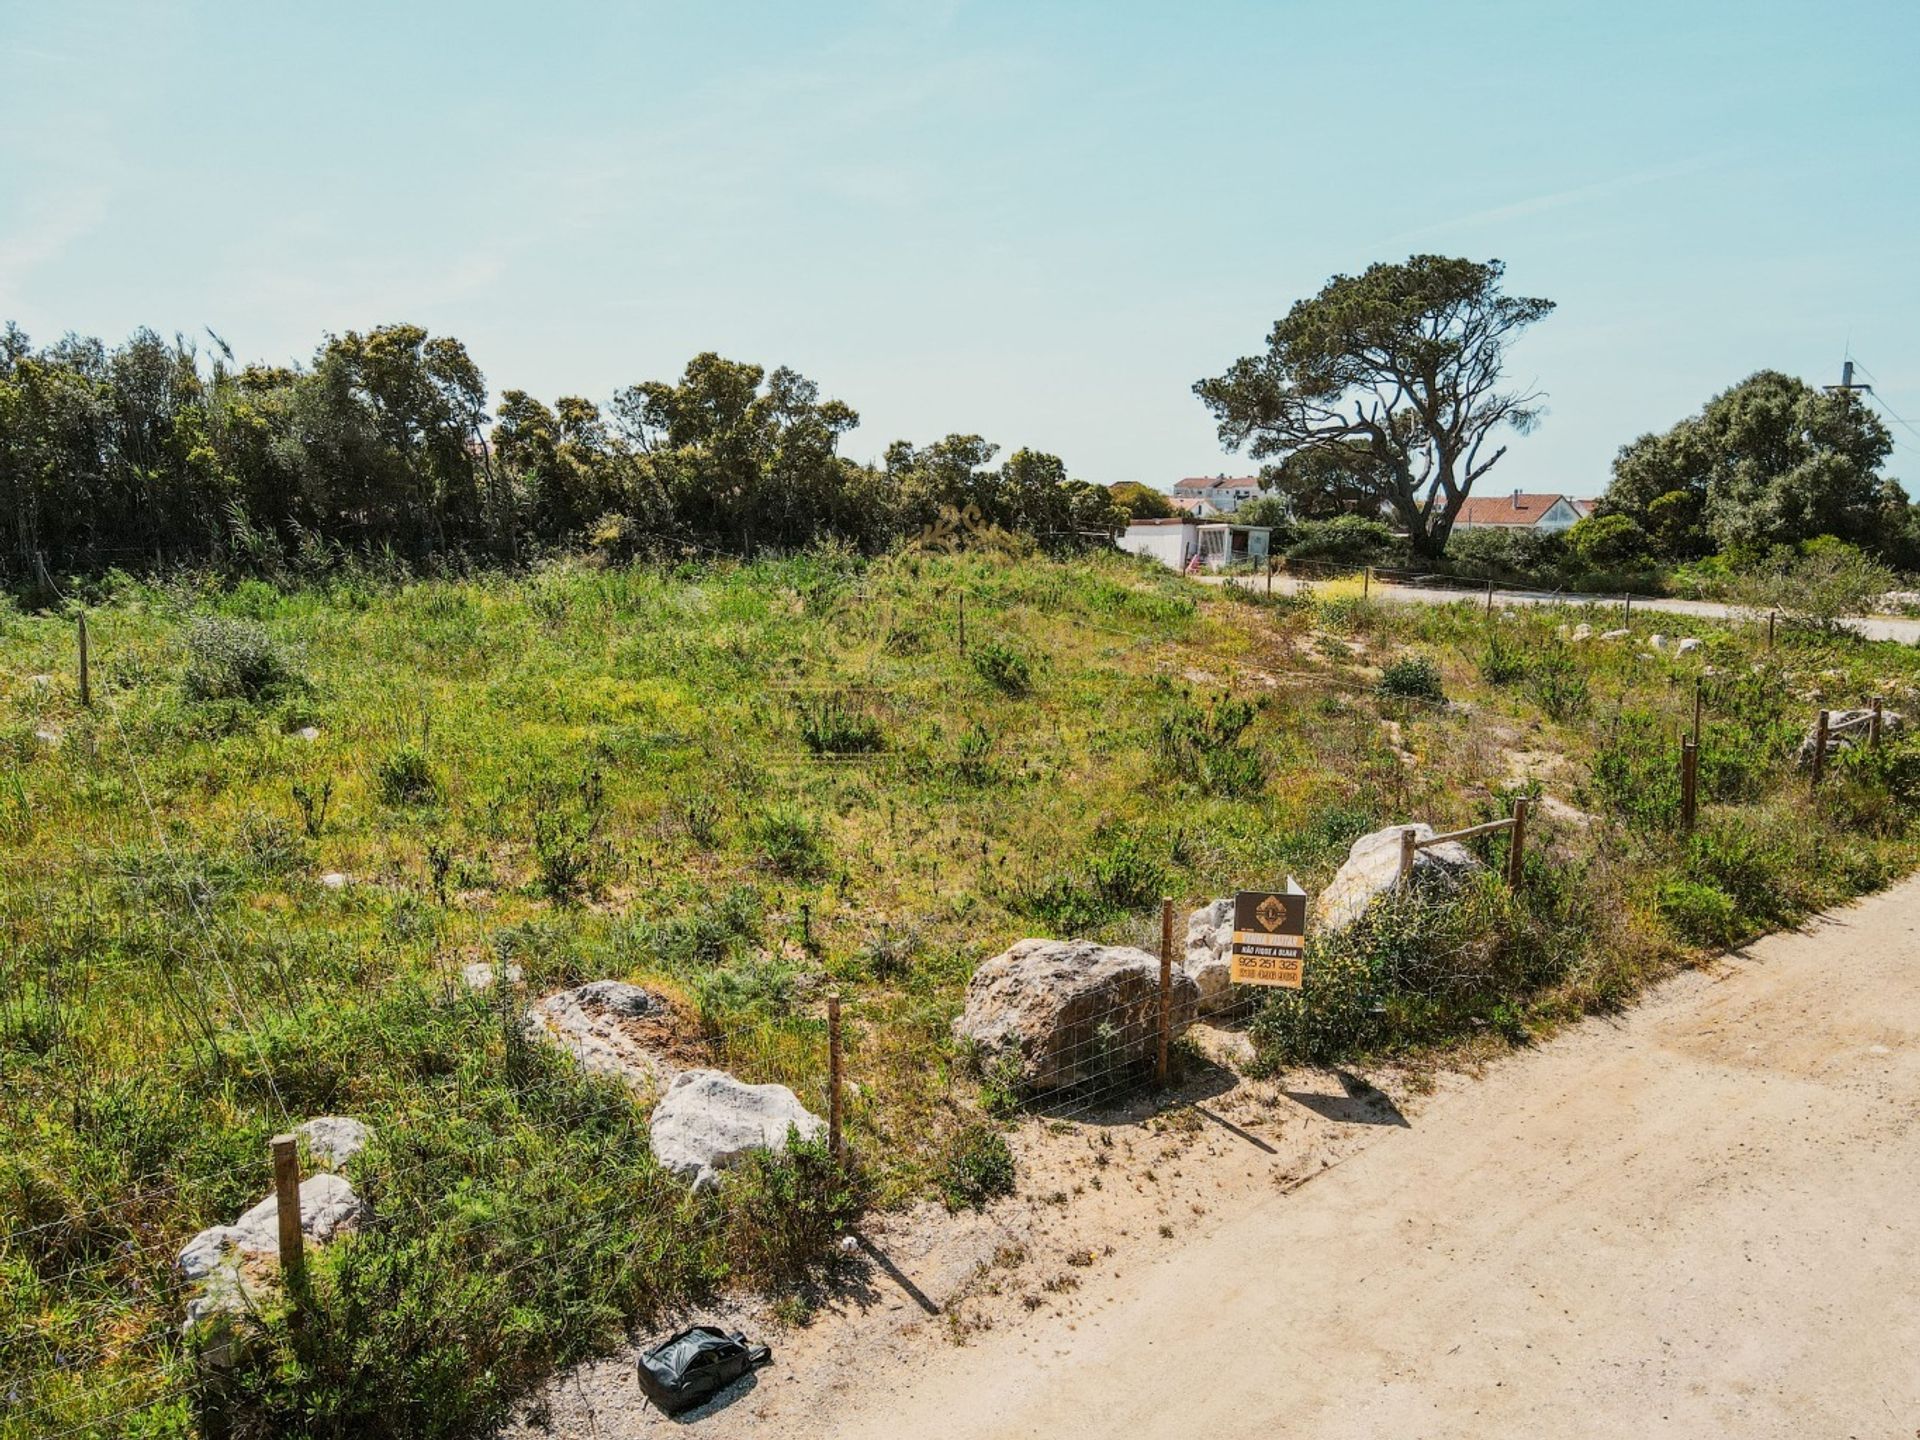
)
(978, 1168)
(1412, 677)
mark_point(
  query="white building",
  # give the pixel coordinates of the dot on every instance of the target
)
(1187, 542)
(1215, 494)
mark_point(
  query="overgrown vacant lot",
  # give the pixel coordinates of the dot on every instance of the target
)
(240, 891)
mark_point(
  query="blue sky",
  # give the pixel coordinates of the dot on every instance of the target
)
(1037, 222)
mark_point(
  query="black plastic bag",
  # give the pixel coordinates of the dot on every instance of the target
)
(695, 1365)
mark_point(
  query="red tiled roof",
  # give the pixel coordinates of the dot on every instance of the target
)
(1215, 482)
(1512, 508)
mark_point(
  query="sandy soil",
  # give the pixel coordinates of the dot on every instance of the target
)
(1700, 1219)
(1871, 627)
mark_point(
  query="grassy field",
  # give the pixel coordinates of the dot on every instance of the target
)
(239, 890)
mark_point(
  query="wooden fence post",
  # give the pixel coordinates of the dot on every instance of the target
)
(1408, 844)
(836, 1143)
(1366, 581)
(963, 624)
(1489, 598)
(1627, 599)
(1819, 747)
(1698, 686)
(1772, 615)
(1689, 781)
(86, 673)
(1873, 725)
(1517, 843)
(1161, 1062)
(286, 1194)
(1269, 574)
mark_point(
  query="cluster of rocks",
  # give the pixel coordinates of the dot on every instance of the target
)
(1579, 634)
(229, 1268)
(1059, 1013)
(706, 1121)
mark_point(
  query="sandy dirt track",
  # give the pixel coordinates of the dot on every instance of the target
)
(1870, 627)
(1699, 1219)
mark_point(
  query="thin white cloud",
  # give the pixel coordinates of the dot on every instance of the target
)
(1557, 199)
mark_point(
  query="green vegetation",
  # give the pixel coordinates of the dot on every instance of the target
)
(382, 450)
(742, 784)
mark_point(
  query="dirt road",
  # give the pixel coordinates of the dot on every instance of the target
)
(1871, 627)
(1702, 1219)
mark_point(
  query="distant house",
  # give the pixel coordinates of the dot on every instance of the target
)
(1188, 542)
(1520, 511)
(1222, 494)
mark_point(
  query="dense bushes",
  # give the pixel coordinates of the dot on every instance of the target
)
(381, 448)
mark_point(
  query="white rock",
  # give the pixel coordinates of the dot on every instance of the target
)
(1068, 1011)
(708, 1122)
(594, 1023)
(1372, 869)
(48, 737)
(215, 1262)
(1687, 646)
(332, 1140)
(1617, 635)
(334, 880)
(308, 733)
(1209, 958)
(483, 974)
(1582, 632)
(1657, 642)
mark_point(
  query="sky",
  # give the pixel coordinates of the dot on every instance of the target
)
(1036, 222)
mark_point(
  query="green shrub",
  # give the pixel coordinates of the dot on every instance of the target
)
(1194, 743)
(1699, 913)
(1330, 1017)
(1560, 686)
(1003, 668)
(791, 841)
(785, 1213)
(837, 725)
(229, 659)
(568, 850)
(1501, 660)
(978, 1168)
(1412, 677)
(404, 776)
(1124, 874)
(1345, 539)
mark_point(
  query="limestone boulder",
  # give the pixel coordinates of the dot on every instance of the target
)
(1616, 635)
(1066, 1012)
(610, 1027)
(1209, 955)
(1372, 869)
(332, 1140)
(1846, 728)
(227, 1268)
(708, 1121)
(1687, 646)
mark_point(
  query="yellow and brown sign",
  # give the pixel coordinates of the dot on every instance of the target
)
(1269, 937)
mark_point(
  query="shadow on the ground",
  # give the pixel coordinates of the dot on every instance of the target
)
(1359, 1104)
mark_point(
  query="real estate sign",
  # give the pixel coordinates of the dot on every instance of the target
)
(1270, 936)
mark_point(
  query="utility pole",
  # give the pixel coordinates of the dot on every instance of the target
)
(1846, 385)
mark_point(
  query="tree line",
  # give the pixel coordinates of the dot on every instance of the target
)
(152, 454)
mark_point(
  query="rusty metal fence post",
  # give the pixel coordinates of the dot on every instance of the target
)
(1820, 748)
(1874, 725)
(1689, 781)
